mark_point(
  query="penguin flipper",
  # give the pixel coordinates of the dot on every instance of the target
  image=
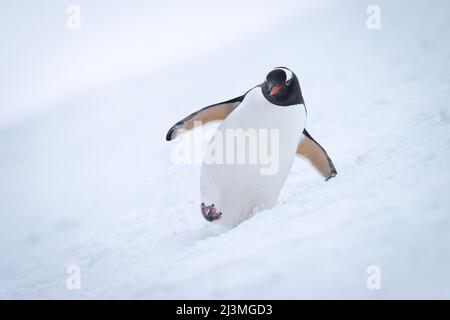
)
(215, 112)
(313, 151)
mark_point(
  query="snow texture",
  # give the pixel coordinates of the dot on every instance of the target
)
(86, 176)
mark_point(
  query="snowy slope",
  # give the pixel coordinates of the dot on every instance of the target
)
(88, 180)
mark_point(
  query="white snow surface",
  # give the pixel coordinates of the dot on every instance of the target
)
(86, 177)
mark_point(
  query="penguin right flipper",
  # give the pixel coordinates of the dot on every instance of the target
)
(215, 112)
(313, 151)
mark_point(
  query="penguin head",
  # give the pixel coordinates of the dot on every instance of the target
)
(282, 87)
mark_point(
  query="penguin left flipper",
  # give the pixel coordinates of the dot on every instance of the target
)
(215, 112)
(313, 151)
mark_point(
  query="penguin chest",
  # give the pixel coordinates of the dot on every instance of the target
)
(249, 157)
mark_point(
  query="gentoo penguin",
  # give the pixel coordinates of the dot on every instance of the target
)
(232, 191)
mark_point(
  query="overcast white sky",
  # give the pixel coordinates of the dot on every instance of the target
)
(42, 61)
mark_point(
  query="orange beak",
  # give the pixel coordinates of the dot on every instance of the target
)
(274, 90)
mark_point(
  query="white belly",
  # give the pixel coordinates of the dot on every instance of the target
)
(239, 187)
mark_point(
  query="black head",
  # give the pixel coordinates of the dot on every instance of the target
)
(282, 87)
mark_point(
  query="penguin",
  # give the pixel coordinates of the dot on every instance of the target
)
(233, 191)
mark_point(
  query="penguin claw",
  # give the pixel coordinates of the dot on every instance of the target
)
(210, 213)
(332, 175)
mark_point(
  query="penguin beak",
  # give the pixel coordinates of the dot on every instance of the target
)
(274, 90)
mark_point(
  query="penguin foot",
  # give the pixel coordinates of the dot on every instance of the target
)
(210, 212)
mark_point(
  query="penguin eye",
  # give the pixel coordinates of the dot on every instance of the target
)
(288, 82)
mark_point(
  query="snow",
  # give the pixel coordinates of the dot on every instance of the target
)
(86, 176)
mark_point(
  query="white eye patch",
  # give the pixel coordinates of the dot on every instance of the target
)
(288, 74)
